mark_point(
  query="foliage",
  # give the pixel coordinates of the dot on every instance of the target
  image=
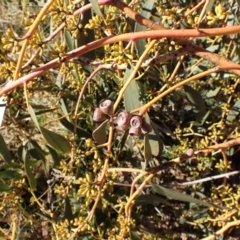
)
(111, 118)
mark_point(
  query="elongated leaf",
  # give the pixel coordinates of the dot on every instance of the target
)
(3, 105)
(10, 174)
(68, 210)
(209, 6)
(134, 235)
(28, 163)
(99, 134)
(155, 141)
(213, 93)
(35, 150)
(5, 188)
(55, 140)
(131, 101)
(196, 99)
(69, 40)
(179, 196)
(146, 12)
(147, 151)
(54, 155)
(150, 199)
(4, 153)
(90, 37)
(80, 132)
(33, 116)
(96, 7)
(37, 113)
(233, 113)
(131, 95)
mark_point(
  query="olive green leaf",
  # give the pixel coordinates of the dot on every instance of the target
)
(79, 131)
(233, 113)
(96, 7)
(4, 153)
(5, 188)
(10, 174)
(28, 163)
(147, 152)
(68, 210)
(178, 196)
(146, 12)
(35, 150)
(150, 199)
(100, 134)
(197, 101)
(55, 140)
(54, 155)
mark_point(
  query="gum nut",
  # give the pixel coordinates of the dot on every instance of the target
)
(134, 132)
(136, 122)
(98, 115)
(194, 162)
(190, 152)
(107, 107)
(123, 119)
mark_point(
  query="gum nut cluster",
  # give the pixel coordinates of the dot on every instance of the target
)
(125, 119)
(104, 110)
(137, 124)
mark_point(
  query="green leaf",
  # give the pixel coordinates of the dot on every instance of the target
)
(147, 151)
(4, 153)
(233, 113)
(134, 235)
(79, 131)
(37, 113)
(155, 141)
(150, 199)
(10, 174)
(68, 210)
(99, 134)
(33, 116)
(131, 101)
(146, 12)
(213, 93)
(5, 188)
(28, 163)
(179, 196)
(210, 6)
(35, 150)
(131, 95)
(96, 7)
(54, 155)
(197, 101)
(55, 140)
(69, 40)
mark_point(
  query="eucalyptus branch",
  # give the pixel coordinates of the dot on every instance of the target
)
(133, 74)
(123, 37)
(29, 34)
(192, 48)
(145, 107)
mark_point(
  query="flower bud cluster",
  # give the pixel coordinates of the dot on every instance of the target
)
(136, 124)
(104, 110)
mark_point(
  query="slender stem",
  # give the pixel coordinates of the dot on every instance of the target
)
(144, 108)
(133, 74)
(123, 37)
(29, 34)
(222, 230)
(192, 48)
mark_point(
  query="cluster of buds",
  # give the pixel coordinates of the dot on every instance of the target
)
(136, 123)
(125, 120)
(104, 111)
